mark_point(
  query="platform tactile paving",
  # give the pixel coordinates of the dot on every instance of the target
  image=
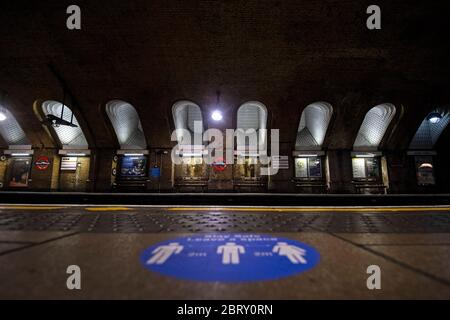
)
(160, 221)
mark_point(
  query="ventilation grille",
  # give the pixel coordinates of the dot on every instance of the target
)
(428, 133)
(11, 131)
(71, 137)
(374, 126)
(313, 125)
(126, 124)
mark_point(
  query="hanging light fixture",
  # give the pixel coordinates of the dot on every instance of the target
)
(216, 115)
(434, 117)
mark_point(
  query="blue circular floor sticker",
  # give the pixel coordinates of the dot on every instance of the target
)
(229, 257)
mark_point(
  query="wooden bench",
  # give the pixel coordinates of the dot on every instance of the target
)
(309, 186)
(379, 188)
(191, 183)
(257, 184)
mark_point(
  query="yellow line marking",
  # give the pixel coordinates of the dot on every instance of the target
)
(320, 209)
(30, 207)
(108, 209)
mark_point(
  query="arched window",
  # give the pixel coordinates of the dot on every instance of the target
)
(430, 130)
(10, 130)
(313, 126)
(126, 124)
(253, 115)
(374, 126)
(188, 116)
(69, 132)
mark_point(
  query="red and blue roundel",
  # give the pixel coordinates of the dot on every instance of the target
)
(219, 164)
(229, 257)
(42, 163)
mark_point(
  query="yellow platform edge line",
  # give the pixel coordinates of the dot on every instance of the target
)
(320, 209)
(108, 209)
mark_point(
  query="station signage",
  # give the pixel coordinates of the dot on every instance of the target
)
(219, 165)
(69, 163)
(42, 163)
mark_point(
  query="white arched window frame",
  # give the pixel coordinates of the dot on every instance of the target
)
(252, 115)
(429, 131)
(11, 131)
(127, 125)
(313, 126)
(70, 137)
(188, 120)
(374, 127)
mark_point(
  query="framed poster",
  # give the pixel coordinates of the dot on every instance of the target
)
(315, 167)
(19, 172)
(359, 168)
(133, 166)
(372, 167)
(301, 167)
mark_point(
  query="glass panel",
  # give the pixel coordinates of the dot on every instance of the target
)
(301, 167)
(315, 167)
(247, 168)
(193, 168)
(250, 168)
(372, 167)
(133, 166)
(359, 168)
(20, 172)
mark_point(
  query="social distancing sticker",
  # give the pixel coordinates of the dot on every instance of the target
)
(229, 257)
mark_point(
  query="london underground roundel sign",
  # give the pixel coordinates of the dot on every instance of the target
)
(219, 165)
(42, 163)
(229, 257)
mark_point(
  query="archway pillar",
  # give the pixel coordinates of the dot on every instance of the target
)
(340, 166)
(102, 170)
(42, 179)
(282, 181)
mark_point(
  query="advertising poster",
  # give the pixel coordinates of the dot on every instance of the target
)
(301, 168)
(359, 168)
(373, 167)
(315, 168)
(133, 166)
(20, 172)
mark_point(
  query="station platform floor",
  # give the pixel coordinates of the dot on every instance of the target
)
(411, 245)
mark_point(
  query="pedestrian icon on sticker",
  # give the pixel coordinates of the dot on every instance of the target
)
(230, 257)
(293, 253)
(162, 253)
(230, 252)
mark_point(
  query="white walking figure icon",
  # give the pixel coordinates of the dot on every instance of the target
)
(293, 253)
(230, 252)
(162, 253)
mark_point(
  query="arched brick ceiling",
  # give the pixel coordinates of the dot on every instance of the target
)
(283, 53)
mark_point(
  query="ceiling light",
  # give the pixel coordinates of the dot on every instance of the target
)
(2, 116)
(76, 154)
(20, 154)
(434, 117)
(216, 115)
(133, 154)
